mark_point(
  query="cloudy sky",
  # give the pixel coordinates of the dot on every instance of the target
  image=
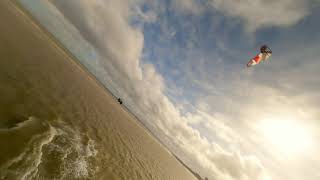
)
(179, 65)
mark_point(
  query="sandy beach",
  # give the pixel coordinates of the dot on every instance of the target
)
(58, 122)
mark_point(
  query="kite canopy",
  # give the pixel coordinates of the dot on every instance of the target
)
(265, 49)
(265, 53)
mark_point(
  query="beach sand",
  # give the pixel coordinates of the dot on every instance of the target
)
(58, 122)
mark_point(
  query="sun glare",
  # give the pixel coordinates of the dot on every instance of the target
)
(288, 136)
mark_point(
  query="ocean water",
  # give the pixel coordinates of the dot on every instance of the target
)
(58, 122)
(36, 139)
(46, 150)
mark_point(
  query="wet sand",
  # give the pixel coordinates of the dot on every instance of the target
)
(58, 122)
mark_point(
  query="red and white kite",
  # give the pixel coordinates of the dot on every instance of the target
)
(265, 53)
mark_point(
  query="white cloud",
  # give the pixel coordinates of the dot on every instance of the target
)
(255, 13)
(188, 6)
(260, 13)
(146, 17)
(105, 25)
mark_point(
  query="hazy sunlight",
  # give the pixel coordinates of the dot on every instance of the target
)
(288, 136)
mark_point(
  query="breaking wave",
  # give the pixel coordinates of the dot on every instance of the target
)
(38, 149)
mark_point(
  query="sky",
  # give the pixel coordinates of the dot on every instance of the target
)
(179, 65)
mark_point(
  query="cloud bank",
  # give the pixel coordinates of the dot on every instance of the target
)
(255, 13)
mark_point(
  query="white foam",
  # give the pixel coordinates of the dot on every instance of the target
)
(74, 153)
(73, 148)
(38, 154)
(30, 158)
(90, 149)
(79, 167)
